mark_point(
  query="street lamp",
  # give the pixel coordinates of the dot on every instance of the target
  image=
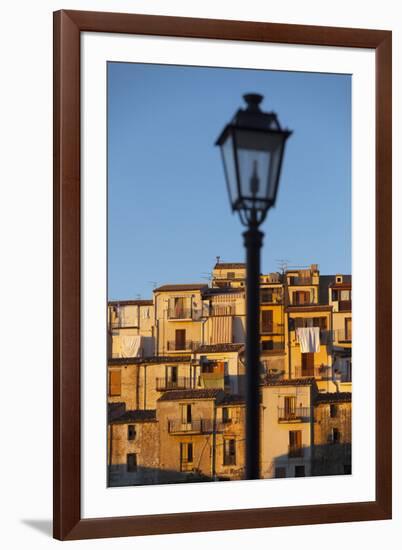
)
(252, 147)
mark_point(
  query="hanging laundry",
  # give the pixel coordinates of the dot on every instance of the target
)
(309, 339)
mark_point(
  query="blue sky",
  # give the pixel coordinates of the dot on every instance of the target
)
(168, 210)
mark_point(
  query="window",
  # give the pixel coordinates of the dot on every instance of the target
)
(335, 436)
(131, 432)
(280, 471)
(231, 275)
(132, 462)
(299, 471)
(301, 322)
(348, 329)
(180, 339)
(171, 375)
(114, 383)
(266, 295)
(186, 456)
(226, 415)
(333, 411)
(229, 452)
(186, 413)
(267, 324)
(301, 297)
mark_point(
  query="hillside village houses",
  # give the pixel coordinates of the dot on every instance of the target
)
(176, 372)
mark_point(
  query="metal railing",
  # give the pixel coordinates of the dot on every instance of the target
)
(221, 310)
(188, 345)
(269, 346)
(181, 383)
(295, 451)
(119, 323)
(272, 328)
(293, 415)
(180, 313)
(323, 371)
(342, 335)
(195, 426)
(301, 281)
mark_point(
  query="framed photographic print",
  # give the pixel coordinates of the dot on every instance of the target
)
(198, 387)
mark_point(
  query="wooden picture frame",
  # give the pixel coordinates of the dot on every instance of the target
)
(68, 25)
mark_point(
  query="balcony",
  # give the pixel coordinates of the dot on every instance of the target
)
(220, 310)
(343, 336)
(269, 345)
(180, 314)
(181, 383)
(295, 451)
(300, 281)
(272, 328)
(121, 323)
(324, 372)
(270, 298)
(298, 414)
(188, 345)
(193, 427)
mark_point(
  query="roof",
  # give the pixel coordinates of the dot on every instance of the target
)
(231, 399)
(219, 348)
(205, 393)
(230, 265)
(191, 286)
(326, 281)
(155, 360)
(333, 397)
(131, 303)
(292, 382)
(136, 416)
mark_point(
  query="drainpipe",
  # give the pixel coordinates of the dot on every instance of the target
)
(110, 453)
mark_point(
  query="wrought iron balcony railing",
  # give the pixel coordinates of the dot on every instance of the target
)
(195, 426)
(324, 372)
(295, 451)
(272, 328)
(180, 313)
(188, 345)
(343, 336)
(297, 414)
(181, 383)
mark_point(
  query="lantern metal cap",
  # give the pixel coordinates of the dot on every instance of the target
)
(253, 101)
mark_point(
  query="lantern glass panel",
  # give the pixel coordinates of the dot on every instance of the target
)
(229, 164)
(259, 157)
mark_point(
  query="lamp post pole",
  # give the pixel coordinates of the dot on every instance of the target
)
(252, 146)
(253, 243)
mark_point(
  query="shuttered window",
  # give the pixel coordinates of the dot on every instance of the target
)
(267, 321)
(115, 383)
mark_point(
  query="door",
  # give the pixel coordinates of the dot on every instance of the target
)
(180, 339)
(348, 329)
(290, 406)
(307, 364)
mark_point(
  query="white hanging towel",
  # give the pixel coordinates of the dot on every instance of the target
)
(130, 345)
(309, 339)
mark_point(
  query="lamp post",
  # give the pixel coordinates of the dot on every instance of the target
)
(252, 147)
